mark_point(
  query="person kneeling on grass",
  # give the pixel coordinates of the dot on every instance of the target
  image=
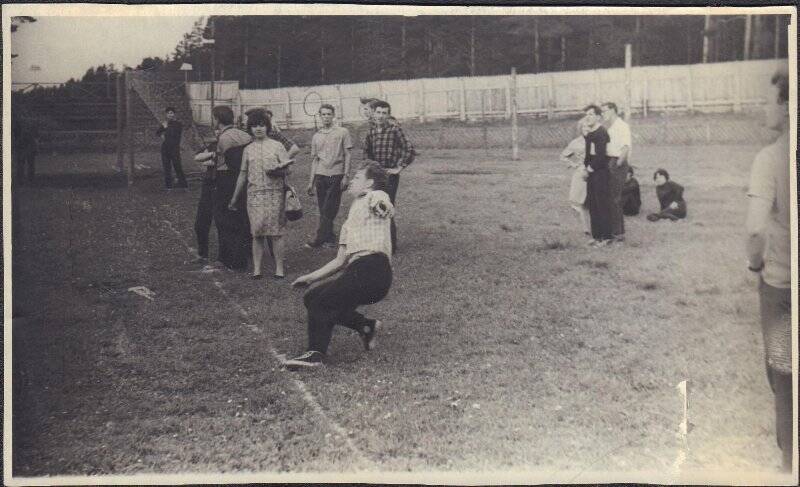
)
(670, 197)
(631, 198)
(365, 247)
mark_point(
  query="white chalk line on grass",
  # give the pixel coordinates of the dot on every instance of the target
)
(308, 396)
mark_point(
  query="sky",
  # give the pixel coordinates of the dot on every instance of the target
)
(65, 47)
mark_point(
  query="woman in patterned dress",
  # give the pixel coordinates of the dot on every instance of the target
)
(264, 168)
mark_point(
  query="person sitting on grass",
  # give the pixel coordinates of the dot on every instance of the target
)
(263, 170)
(364, 259)
(631, 198)
(670, 196)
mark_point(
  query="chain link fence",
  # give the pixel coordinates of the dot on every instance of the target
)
(744, 129)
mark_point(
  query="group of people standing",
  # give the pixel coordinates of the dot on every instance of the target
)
(603, 189)
(244, 193)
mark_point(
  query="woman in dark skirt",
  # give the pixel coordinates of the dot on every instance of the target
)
(233, 227)
(597, 185)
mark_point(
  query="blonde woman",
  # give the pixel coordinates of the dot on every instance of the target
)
(573, 155)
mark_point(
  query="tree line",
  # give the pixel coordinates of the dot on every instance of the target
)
(273, 51)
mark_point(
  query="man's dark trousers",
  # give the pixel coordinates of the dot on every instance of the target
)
(616, 182)
(171, 156)
(776, 318)
(392, 183)
(205, 215)
(334, 300)
(329, 197)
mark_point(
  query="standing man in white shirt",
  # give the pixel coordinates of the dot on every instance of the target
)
(769, 256)
(329, 177)
(618, 150)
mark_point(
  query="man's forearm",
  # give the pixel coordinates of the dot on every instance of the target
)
(347, 158)
(313, 171)
(756, 244)
(623, 155)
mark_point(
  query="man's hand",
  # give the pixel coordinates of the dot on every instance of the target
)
(232, 205)
(164, 124)
(301, 281)
(674, 205)
(310, 189)
(394, 170)
(345, 182)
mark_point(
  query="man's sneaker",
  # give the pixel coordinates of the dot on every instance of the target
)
(313, 244)
(368, 335)
(309, 359)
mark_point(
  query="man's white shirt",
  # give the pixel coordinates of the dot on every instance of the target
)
(620, 134)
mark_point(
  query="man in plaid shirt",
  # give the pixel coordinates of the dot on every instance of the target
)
(387, 145)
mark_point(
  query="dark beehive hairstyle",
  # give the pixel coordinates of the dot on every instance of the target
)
(258, 117)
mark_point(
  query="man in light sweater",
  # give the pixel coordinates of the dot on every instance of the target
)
(330, 167)
(769, 255)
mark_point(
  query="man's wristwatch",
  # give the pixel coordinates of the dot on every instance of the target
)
(756, 269)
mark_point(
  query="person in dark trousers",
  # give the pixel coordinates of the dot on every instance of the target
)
(362, 268)
(670, 197)
(205, 206)
(618, 151)
(233, 227)
(631, 197)
(24, 146)
(597, 184)
(171, 130)
(769, 256)
(330, 169)
(387, 145)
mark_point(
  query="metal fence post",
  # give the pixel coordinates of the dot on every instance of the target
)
(422, 97)
(690, 94)
(463, 102)
(627, 82)
(341, 104)
(120, 86)
(288, 110)
(512, 90)
(551, 89)
(737, 88)
(644, 95)
(508, 101)
(129, 128)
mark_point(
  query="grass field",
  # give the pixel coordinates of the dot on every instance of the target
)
(508, 344)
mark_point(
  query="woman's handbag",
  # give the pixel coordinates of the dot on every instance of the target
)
(294, 210)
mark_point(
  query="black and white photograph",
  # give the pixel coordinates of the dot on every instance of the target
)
(399, 244)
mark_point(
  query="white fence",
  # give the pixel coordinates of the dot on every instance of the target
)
(713, 87)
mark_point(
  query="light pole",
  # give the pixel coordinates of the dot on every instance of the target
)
(186, 67)
(210, 42)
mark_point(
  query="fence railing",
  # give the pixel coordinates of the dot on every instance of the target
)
(714, 87)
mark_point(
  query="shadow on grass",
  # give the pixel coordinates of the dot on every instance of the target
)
(594, 264)
(547, 245)
(464, 172)
(82, 180)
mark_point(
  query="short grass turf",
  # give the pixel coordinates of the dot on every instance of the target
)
(508, 344)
